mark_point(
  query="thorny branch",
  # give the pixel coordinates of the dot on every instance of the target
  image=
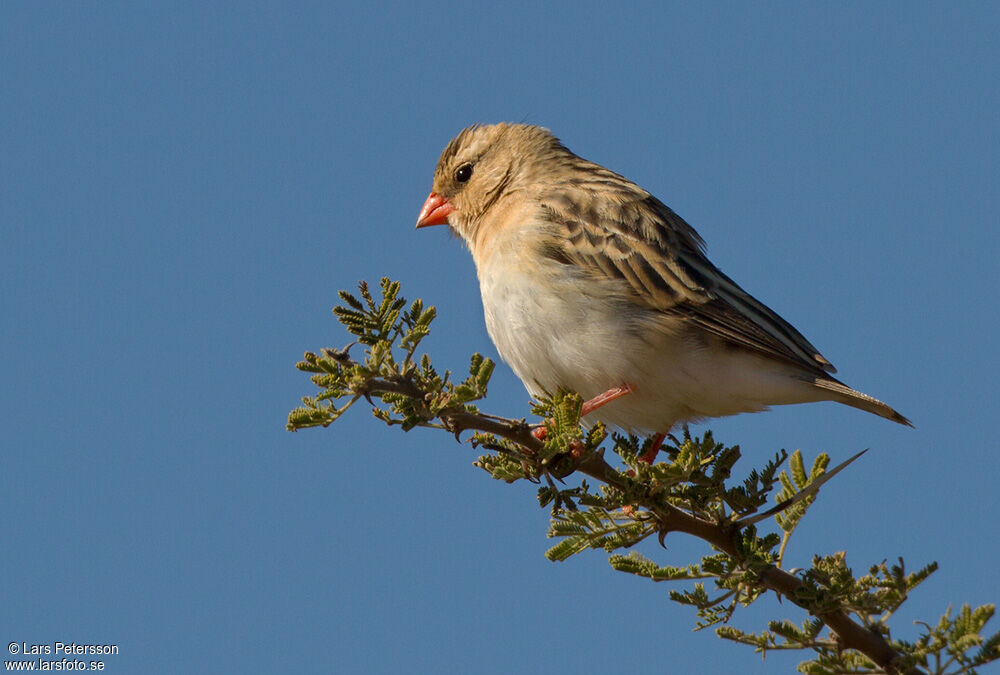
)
(669, 519)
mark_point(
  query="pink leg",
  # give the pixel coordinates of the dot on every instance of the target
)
(615, 393)
(605, 398)
(650, 455)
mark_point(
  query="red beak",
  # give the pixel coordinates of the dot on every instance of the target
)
(435, 211)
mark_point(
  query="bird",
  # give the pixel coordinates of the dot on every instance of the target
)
(591, 284)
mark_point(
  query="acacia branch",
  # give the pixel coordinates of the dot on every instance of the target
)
(851, 634)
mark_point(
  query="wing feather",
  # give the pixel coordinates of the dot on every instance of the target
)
(623, 232)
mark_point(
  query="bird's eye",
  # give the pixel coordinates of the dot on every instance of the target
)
(463, 173)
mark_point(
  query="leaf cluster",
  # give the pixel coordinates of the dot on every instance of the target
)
(410, 390)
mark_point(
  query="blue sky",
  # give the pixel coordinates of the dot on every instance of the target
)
(185, 186)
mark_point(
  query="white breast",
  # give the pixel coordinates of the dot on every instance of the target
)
(555, 329)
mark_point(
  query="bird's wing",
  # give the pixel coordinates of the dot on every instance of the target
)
(620, 231)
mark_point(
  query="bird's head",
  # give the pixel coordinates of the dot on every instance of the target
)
(479, 167)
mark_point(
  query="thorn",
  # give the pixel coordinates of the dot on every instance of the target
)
(808, 491)
(527, 474)
(339, 355)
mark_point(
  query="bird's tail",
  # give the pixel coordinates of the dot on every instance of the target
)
(841, 393)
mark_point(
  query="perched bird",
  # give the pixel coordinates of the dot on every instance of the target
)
(591, 284)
